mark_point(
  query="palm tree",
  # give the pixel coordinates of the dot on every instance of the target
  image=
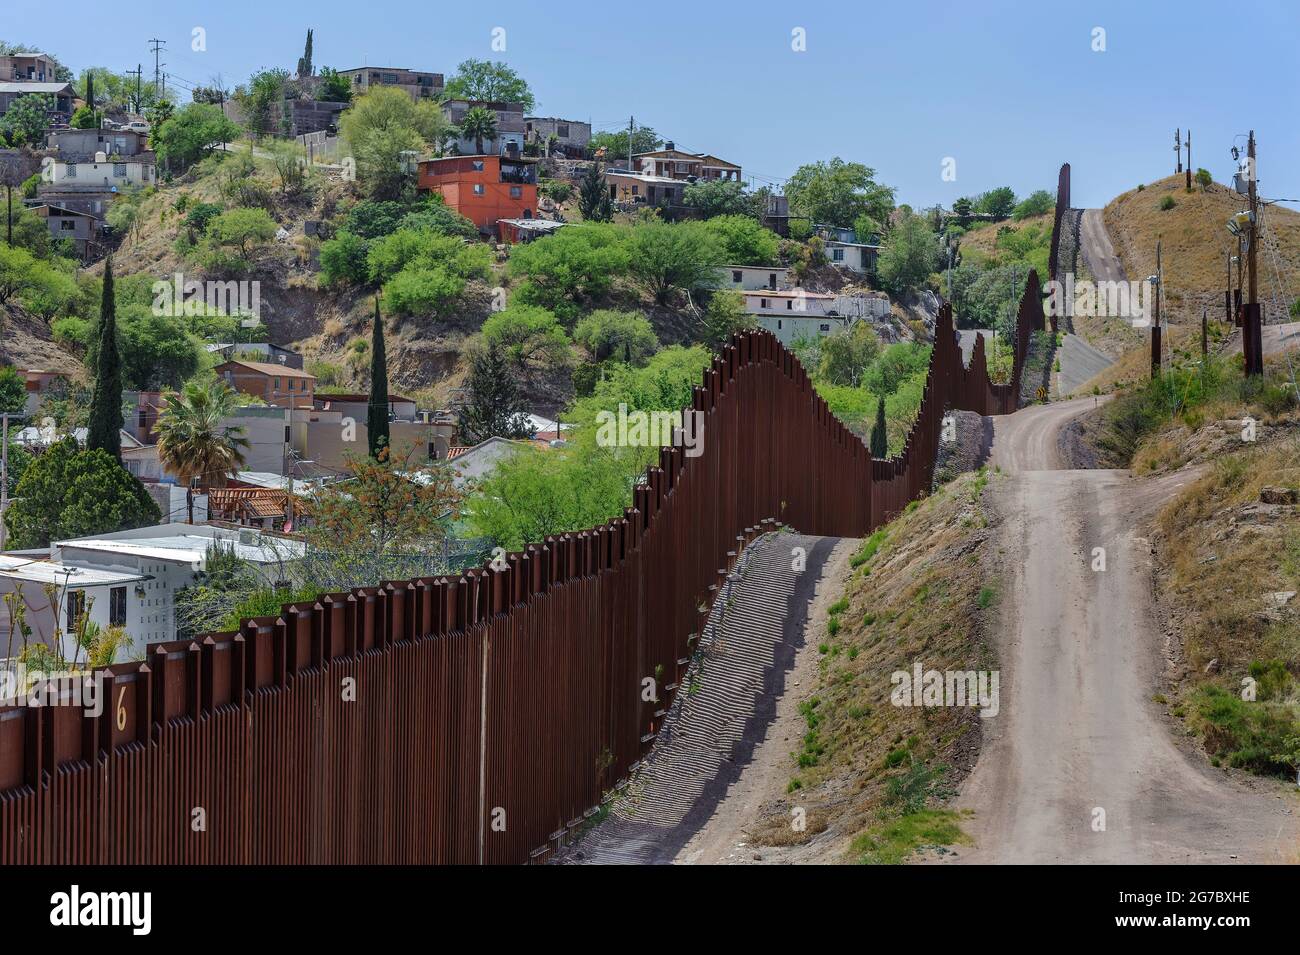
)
(192, 441)
(479, 123)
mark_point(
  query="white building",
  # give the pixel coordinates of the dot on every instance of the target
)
(105, 175)
(751, 277)
(855, 256)
(130, 578)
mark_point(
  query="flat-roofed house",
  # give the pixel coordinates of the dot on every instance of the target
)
(417, 83)
(484, 189)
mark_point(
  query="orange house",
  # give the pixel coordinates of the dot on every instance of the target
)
(484, 189)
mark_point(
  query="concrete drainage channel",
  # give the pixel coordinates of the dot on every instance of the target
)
(732, 686)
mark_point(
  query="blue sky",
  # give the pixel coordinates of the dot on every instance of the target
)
(1008, 90)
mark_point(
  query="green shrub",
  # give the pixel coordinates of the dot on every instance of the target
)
(1167, 203)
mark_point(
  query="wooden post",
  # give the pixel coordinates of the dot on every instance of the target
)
(1155, 320)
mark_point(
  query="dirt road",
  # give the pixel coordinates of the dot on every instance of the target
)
(1081, 764)
(1098, 254)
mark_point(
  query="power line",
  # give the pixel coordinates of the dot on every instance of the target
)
(157, 65)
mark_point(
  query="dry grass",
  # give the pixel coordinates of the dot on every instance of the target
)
(921, 591)
(1195, 244)
(981, 242)
(1224, 552)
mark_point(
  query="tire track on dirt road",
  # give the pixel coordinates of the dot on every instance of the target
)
(1078, 730)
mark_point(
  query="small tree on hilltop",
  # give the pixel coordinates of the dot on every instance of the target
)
(880, 433)
(593, 197)
(377, 410)
(104, 429)
(493, 408)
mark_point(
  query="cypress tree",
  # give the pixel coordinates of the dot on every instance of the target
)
(879, 434)
(90, 96)
(377, 411)
(104, 429)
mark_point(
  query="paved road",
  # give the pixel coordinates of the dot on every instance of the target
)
(1078, 733)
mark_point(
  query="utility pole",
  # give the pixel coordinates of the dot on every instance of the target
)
(1157, 280)
(631, 130)
(1253, 319)
(157, 66)
(1205, 336)
(1189, 161)
(1178, 149)
(137, 73)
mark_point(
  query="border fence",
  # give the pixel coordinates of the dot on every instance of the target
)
(479, 718)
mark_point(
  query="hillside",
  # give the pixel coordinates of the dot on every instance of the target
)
(1196, 244)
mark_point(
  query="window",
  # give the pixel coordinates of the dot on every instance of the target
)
(276, 383)
(516, 192)
(72, 170)
(764, 303)
(477, 164)
(119, 170)
(117, 607)
(562, 130)
(838, 255)
(778, 324)
(478, 189)
(67, 225)
(737, 275)
(825, 328)
(76, 605)
(636, 190)
(789, 305)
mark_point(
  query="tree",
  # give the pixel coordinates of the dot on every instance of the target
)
(244, 229)
(26, 120)
(304, 61)
(333, 88)
(963, 207)
(194, 443)
(568, 270)
(343, 260)
(724, 316)
(836, 193)
(381, 126)
(644, 140)
(191, 133)
(387, 507)
(909, 256)
(744, 241)
(621, 336)
(17, 272)
(997, 202)
(66, 492)
(262, 100)
(529, 336)
(104, 429)
(16, 167)
(13, 390)
(847, 354)
(377, 409)
(681, 255)
(593, 198)
(1038, 203)
(880, 433)
(479, 124)
(1204, 179)
(718, 197)
(489, 82)
(493, 407)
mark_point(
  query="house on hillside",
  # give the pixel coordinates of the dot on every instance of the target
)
(748, 278)
(484, 189)
(418, 84)
(264, 352)
(275, 384)
(28, 68)
(673, 163)
(61, 97)
(571, 136)
(637, 188)
(511, 130)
